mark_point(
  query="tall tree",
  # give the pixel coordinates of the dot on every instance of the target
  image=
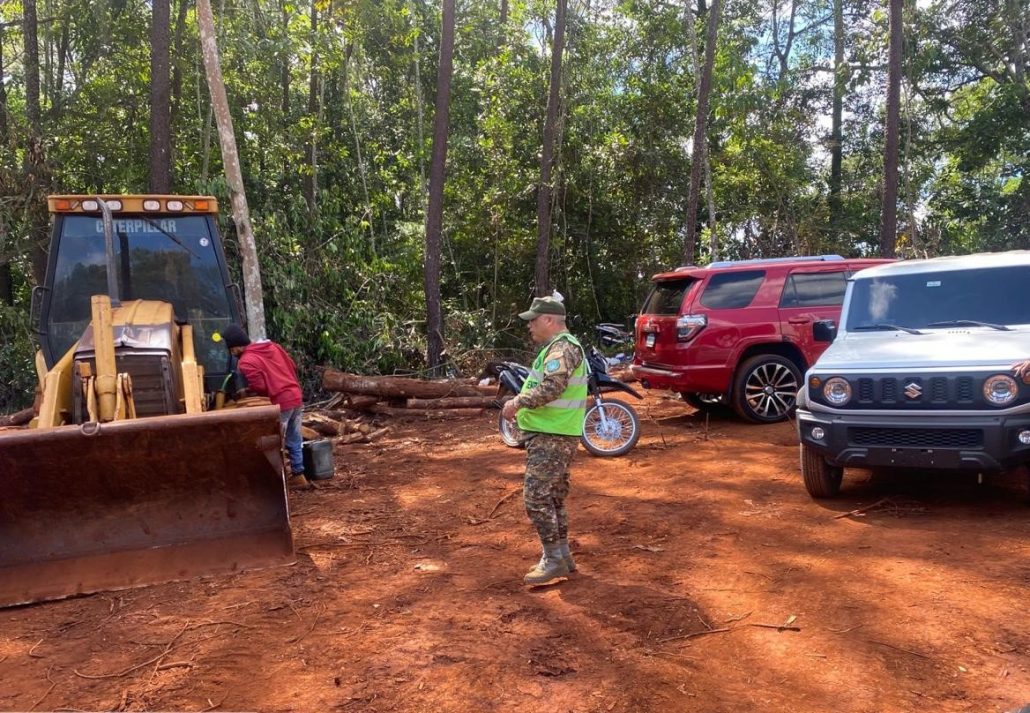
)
(253, 293)
(6, 282)
(700, 133)
(543, 201)
(437, 175)
(695, 63)
(889, 216)
(311, 141)
(160, 99)
(37, 178)
(836, 118)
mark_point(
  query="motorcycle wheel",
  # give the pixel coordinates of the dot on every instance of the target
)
(510, 432)
(613, 436)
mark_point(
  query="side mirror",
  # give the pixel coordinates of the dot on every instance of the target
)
(824, 330)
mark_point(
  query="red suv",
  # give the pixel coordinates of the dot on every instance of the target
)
(739, 332)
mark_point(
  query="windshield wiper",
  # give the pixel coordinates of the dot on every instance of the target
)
(969, 323)
(883, 326)
(171, 237)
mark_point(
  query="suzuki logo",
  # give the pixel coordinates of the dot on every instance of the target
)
(913, 390)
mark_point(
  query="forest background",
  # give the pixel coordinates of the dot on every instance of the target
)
(333, 106)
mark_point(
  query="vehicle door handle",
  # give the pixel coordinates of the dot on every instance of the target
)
(799, 320)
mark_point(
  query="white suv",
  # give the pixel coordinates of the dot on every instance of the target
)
(919, 374)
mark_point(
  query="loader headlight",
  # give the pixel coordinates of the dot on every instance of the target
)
(1000, 390)
(837, 391)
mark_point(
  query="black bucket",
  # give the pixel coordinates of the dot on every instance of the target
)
(318, 460)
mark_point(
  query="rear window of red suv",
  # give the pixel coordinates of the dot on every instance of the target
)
(667, 296)
(732, 290)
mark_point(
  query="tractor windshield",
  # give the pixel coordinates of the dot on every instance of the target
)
(168, 258)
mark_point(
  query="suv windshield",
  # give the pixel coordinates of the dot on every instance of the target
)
(667, 296)
(172, 259)
(997, 296)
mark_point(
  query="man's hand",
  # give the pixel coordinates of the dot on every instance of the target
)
(1022, 369)
(509, 410)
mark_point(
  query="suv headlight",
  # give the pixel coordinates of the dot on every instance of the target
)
(1000, 389)
(837, 391)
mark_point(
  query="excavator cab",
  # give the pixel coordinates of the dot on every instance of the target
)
(132, 473)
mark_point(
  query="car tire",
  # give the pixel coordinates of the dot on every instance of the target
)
(822, 480)
(765, 388)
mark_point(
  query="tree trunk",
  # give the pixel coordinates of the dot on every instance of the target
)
(889, 221)
(311, 146)
(543, 202)
(434, 214)
(396, 387)
(230, 158)
(836, 132)
(180, 51)
(457, 402)
(419, 106)
(695, 62)
(160, 100)
(700, 132)
(3, 98)
(37, 180)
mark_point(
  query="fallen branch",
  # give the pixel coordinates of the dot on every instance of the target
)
(314, 623)
(496, 507)
(456, 402)
(778, 627)
(168, 648)
(18, 418)
(860, 511)
(137, 667)
(53, 685)
(898, 648)
(696, 634)
(396, 387)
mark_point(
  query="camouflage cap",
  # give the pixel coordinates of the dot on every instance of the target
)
(543, 305)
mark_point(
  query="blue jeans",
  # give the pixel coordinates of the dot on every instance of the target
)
(294, 441)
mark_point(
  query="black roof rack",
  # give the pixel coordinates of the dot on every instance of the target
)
(766, 260)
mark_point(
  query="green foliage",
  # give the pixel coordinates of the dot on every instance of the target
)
(343, 279)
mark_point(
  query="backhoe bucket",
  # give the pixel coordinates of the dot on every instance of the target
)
(128, 503)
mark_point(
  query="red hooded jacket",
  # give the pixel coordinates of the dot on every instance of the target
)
(270, 372)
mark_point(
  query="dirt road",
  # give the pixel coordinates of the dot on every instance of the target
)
(692, 549)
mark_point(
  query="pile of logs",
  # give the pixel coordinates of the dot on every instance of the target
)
(338, 426)
(405, 396)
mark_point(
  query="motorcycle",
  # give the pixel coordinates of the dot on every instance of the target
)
(610, 428)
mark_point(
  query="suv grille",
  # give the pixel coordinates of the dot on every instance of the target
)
(919, 392)
(916, 437)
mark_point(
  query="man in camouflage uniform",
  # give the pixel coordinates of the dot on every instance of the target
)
(550, 411)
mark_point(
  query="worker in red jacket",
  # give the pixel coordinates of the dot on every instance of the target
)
(270, 372)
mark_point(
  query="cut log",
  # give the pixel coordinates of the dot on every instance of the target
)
(398, 387)
(427, 414)
(360, 402)
(456, 402)
(18, 418)
(309, 434)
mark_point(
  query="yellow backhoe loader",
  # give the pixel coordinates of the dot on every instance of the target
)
(132, 473)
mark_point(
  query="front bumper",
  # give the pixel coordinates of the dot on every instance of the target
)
(979, 442)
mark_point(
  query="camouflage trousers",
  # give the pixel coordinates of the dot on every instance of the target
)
(547, 484)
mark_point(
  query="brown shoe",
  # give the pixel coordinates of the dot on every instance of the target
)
(299, 482)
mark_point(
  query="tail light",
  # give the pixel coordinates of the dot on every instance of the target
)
(689, 325)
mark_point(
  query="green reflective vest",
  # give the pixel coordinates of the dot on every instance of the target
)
(564, 415)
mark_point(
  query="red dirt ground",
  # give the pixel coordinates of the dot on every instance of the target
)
(407, 593)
